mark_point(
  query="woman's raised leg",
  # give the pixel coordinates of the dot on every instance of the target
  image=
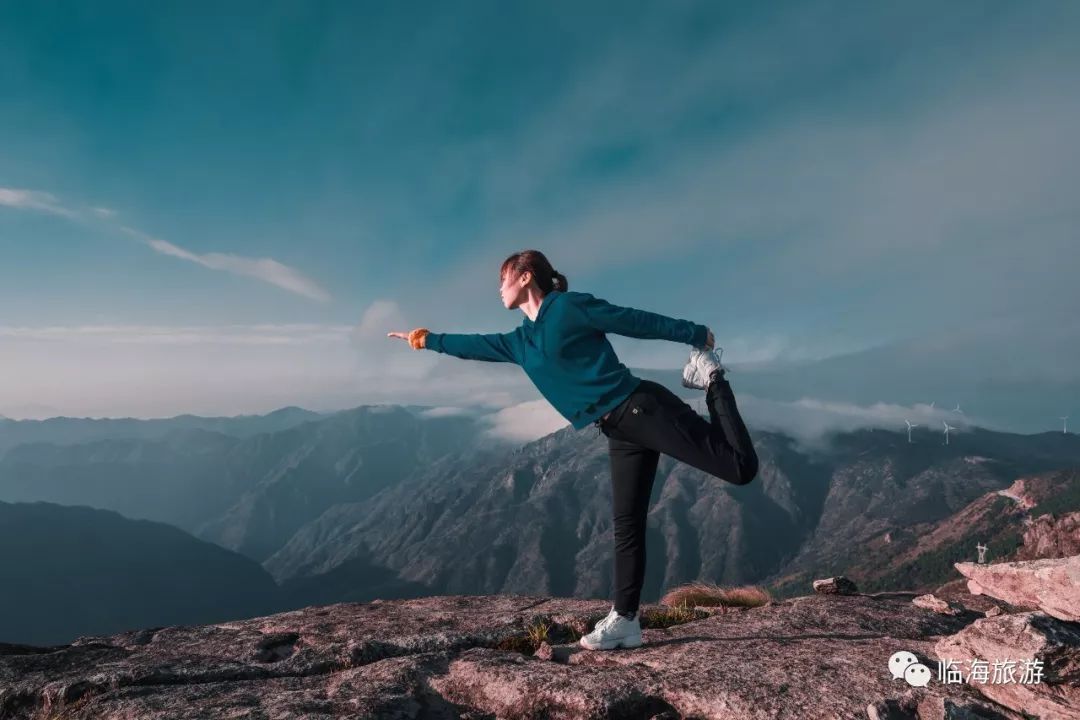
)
(658, 419)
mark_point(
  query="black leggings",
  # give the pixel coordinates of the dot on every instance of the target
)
(653, 420)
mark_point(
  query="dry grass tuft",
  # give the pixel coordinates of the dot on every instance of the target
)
(709, 595)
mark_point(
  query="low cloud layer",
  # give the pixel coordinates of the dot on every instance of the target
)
(331, 367)
(265, 334)
(526, 421)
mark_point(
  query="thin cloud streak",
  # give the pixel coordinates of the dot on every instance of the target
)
(33, 200)
(266, 269)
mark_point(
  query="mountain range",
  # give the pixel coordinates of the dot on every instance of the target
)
(388, 501)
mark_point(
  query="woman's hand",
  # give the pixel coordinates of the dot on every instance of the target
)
(416, 338)
(709, 340)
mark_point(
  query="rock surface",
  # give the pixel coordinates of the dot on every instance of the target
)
(938, 605)
(838, 585)
(1050, 585)
(957, 591)
(1022, 637)
(1051, 537)
(817, 656)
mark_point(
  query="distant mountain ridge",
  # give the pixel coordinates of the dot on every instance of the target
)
(347, 457)
(71, 431)
(68, 571)
(381, 501)
(539, 520)
(248, 492)
(919, 554)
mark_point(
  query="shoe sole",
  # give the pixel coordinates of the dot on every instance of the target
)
(612, 644)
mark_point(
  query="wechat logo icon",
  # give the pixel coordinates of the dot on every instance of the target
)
(905, 665)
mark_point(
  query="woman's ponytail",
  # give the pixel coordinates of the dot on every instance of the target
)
(547, 278)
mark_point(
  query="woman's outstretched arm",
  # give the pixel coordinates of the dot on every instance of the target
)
(494, 347)
(640, 323)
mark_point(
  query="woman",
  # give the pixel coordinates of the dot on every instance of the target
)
(561, 345)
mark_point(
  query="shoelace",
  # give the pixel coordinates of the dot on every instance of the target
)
(606, 622)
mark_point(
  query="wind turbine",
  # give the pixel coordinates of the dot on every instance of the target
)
(1064, 423)
(909, 426)
(957, 409)
(947, 429)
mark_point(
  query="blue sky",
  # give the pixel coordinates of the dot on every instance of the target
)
(222, 207)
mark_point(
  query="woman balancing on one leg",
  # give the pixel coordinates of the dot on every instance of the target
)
(562, 346)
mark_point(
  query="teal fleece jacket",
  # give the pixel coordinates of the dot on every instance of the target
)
(566, 353)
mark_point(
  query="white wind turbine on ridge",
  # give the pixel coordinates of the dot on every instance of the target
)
(947, 429)
(909, 426)
(1064, 423)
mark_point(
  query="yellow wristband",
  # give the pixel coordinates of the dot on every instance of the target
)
(416, 338)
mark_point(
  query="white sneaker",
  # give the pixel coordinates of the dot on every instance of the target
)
(614, 631)
(700, 366)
